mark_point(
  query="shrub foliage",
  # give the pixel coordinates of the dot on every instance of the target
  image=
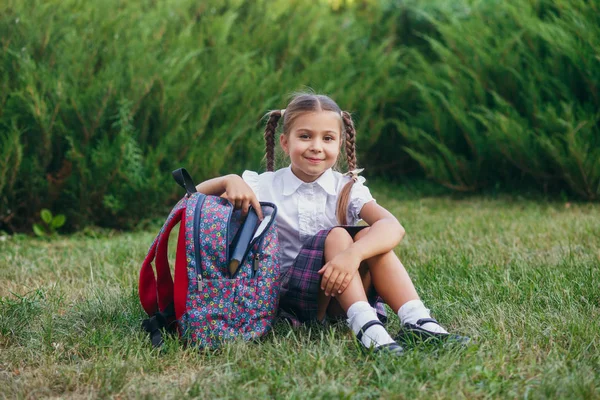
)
(100, 100)
(510, 92)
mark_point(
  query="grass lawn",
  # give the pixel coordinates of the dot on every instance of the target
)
(521, 277)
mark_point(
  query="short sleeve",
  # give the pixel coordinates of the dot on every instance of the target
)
(359, 196)
(251, 178)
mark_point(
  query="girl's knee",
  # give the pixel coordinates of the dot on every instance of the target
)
(361, 233)
(338, 236)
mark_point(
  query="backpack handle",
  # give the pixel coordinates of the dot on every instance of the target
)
(183, 178)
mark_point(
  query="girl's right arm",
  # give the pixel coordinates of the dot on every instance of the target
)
(233, 188)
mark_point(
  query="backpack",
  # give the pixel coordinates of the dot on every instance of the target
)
(226, 272)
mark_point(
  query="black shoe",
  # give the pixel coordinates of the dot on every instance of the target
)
(393, 348)
(410, 333)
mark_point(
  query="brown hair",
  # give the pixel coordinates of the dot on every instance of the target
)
(306, 102)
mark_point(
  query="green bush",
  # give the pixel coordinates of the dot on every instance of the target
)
(99, 101)
(103, 99)
(510, 93)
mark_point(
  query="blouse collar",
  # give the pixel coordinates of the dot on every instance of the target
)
(291, 182)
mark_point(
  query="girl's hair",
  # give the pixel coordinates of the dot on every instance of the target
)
(306, 102)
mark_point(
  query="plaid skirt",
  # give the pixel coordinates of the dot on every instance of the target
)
(300, 284)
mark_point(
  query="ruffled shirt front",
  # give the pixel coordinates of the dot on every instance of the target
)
(305, 208)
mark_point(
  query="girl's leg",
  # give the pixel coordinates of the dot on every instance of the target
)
(394, 285)
(354, 300)
(337, 241)
(335, 310)
(390, 278)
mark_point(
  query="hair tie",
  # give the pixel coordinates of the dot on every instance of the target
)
(282, 112)
(354, 174)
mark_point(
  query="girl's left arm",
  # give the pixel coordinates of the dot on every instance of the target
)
(384, 234)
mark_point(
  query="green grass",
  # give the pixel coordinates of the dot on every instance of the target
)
(521, 277)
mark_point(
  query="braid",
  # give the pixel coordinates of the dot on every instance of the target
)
(344, 199)
(350, 140)
(270, 129)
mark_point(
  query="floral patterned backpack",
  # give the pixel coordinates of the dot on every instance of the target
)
(226, 272)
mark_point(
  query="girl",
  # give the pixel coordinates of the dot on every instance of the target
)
(322, 249)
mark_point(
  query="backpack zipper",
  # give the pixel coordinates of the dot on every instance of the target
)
(255, 266)
(257, 255)
(196, 232)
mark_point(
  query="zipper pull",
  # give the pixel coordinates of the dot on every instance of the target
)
(256, 262)
(199, 282)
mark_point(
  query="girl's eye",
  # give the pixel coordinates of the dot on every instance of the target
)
(329, 138)
(304, 136)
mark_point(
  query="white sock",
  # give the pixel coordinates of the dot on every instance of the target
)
(359, 314)
(414, 310)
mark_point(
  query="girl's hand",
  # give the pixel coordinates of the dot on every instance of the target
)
(338, 272)
(241, 195)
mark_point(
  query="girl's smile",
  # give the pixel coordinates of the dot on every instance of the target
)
(313, 143)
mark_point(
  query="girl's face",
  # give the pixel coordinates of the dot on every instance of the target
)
(313, 143)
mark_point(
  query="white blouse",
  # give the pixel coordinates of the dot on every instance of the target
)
(303, 209)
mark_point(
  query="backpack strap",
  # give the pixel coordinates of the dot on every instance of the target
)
(155, 324)
(156, 292)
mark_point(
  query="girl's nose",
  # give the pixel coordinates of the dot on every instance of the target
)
(316, 146)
